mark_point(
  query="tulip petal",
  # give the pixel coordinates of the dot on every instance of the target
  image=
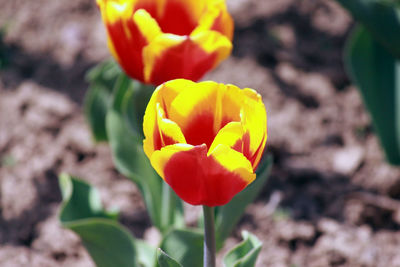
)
(230, 135)
(171, 56)
(154, 52)
(203, 111)
(199, 179)
(162, 96)
(234, 161)
(213, 42)
(147, 25)
(125, 39)
(114, 11)
(180, 166)
(195, 111)
(153, 44)
(169, 131)
(254, 120)
(183, 24)
(228, 173)
(216, 18)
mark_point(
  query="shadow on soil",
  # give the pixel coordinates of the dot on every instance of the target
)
(314, 50)
(46, 71)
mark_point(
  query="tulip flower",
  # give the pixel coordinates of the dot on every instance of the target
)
(155, 41)
(205, 139)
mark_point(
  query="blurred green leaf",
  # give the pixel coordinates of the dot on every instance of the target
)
(377, 74)
(131, 161)
(8, 161)
(228, 216)
(97, 101)
(104, 73)
(166, 261)
(80, 201)
(185, 246)
(281, 214)
(381, 18)
(108, 242)
(136, 105)
(102, 79)
(163, 205)
(244, 254)
(3, 54)
(123, 88)
(147, 254)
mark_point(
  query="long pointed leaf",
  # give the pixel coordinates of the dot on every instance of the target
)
(377, 74)
(244, 254)
(381, 18)
(99, 95)
(109, 243)
(185, 246)
(164, 260)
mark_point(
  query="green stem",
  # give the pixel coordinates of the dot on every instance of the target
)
(168, 206)
(209, 237)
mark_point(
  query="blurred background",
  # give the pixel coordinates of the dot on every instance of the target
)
(331, 200)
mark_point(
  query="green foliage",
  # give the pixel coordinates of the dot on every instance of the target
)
(114, 108)
(245, 253)
(228, 216)
(381, 18)
(8, 161)
(166, 261)
(2, 52)
(136, 104)
(281, 214)
(185, 246)
(130, 160)
(372, 56)
(101, 80)
(377, 74)
(108, 242)
(80, 201)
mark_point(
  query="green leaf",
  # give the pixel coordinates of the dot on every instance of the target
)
(228, 216)
(129, 102)
(146, 253)
(185, 246)
(104, 73)
(109, 243)
(96, 103)
(381, 18)
(123, 88)
(131, 161)
(136, 105)
(131, 99)
(377, 74)
(4, 50)
(244, 254)
(80, 201)
(102, 79)
(166, 261)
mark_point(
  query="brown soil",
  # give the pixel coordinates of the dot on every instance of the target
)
(331, 199)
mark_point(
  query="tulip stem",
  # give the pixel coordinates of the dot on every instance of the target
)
(209, 237)
(168, 206)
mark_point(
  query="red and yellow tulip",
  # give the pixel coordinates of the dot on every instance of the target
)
(205, 139)
(159, 40)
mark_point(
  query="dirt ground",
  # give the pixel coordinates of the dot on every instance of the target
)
(331, 199)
